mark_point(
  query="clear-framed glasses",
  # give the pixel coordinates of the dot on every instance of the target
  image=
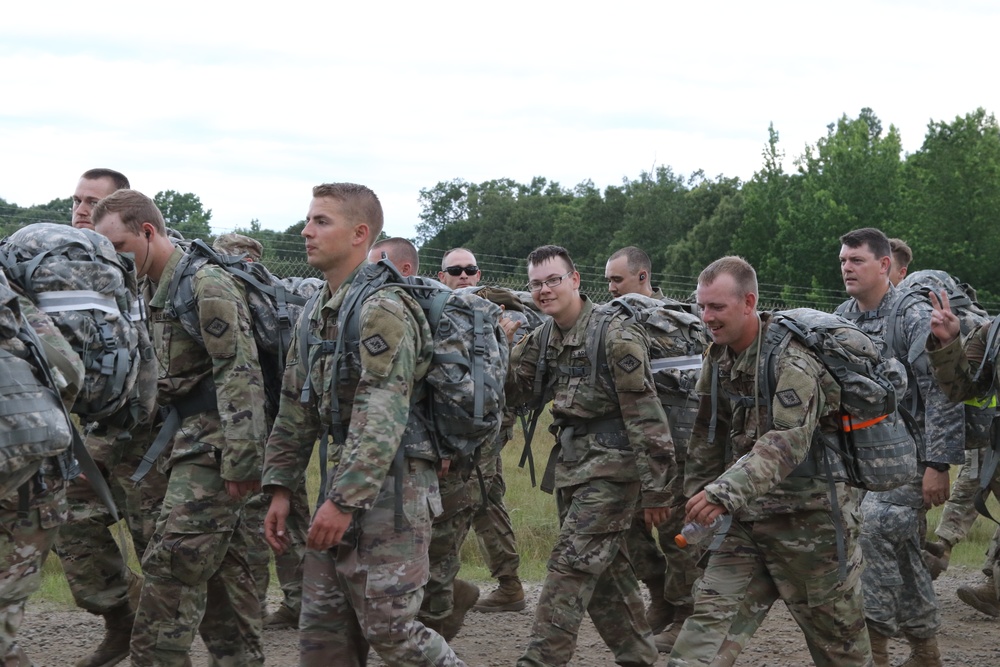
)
(536, 285)
(470, 270)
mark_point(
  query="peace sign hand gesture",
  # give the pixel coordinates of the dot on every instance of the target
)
(944, 323)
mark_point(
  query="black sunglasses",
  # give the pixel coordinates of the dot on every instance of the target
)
(457, 270)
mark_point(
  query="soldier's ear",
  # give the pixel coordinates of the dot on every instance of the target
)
(642, 276)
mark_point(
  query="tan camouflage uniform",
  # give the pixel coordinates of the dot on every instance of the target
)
(954, 367)
(782, 543)
(366, 591)
(598, 480)
(494, 531)
(196, 559)
(27, 532)
(899, 595)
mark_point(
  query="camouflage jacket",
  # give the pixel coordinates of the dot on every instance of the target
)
(624, 391)
(748, 471)
(955, 365)
(228, 360)
(393, 357)
(941, 421)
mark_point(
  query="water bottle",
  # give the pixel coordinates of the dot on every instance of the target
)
(696, 534)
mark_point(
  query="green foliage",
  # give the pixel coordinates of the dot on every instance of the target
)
(13, 217)
(185, 213)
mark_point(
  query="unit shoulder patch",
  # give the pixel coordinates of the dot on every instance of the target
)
(788, 398)
(375, 345)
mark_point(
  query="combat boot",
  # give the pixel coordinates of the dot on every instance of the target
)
(880, 647)
(923, 652)
(117, 636)
(282, 619)
(509, 596)
(465, 597)
(659, 613)
(982, 597)
(665, 640)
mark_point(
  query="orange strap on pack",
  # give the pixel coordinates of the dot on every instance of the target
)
(849, 426)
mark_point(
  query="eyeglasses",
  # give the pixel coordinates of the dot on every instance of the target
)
(470, 270)
(536, 285)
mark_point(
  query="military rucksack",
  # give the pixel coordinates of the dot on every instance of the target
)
(873, 445)
(465, 382)
(514, 307)
(275, 306)
(33, 422)
(979, 414)
(677, 341)
(89, 291)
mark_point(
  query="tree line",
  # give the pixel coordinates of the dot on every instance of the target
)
(943, 199)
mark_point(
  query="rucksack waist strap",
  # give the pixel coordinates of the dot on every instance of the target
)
(201, 399)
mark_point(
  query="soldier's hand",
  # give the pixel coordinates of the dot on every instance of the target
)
(937, 487)
(944, 323)
(700, 510)
(444, 465)
(654, 516)
(237, 490)
(328, 526)
(509, 326)
(274, 523)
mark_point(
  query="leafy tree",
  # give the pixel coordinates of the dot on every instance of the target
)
(185, 213)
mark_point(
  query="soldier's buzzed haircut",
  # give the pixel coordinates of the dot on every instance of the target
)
(401, 248)
(358, 203)
(875, 239)
(743, 274)
(118, 178)
(444, 257)
(902, 255)
(134, 208)
(546, 252)
(637, 259)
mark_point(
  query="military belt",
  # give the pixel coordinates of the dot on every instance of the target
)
(200, 400)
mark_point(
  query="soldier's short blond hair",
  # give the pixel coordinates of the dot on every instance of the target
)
(743, 274)
(133, 207)
(358, 203)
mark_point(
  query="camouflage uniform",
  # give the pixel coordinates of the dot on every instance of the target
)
(899, 595)
(597, 477)
(288, 565)
(954, 367)
(959, 513)
(367, 590)
(782, 542)
(494, 531)
(196, 559)
(28, 526)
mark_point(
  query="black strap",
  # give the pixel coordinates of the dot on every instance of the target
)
(200, 400)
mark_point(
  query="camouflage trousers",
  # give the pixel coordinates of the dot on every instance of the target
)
(197, 561)
(460, 498)
(959, 513)
(93, 559)
(792, 557)
(25, 541)
(677, 567)
(366, 592)
(288, 566)
(494, 531)
(589, 572)
(899, 595)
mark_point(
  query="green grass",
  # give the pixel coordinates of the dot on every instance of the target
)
(533, 515)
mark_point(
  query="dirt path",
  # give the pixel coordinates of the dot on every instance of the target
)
(56, 637)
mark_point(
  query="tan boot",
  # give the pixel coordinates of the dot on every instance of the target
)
(117, 636)
(665, 640)
(982, 598)
(659, 613)
(465, 597)
(282, 619)
(923, 652)
(880, 647)
(509, 596)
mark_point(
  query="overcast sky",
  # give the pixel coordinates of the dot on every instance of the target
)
(250, 105)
